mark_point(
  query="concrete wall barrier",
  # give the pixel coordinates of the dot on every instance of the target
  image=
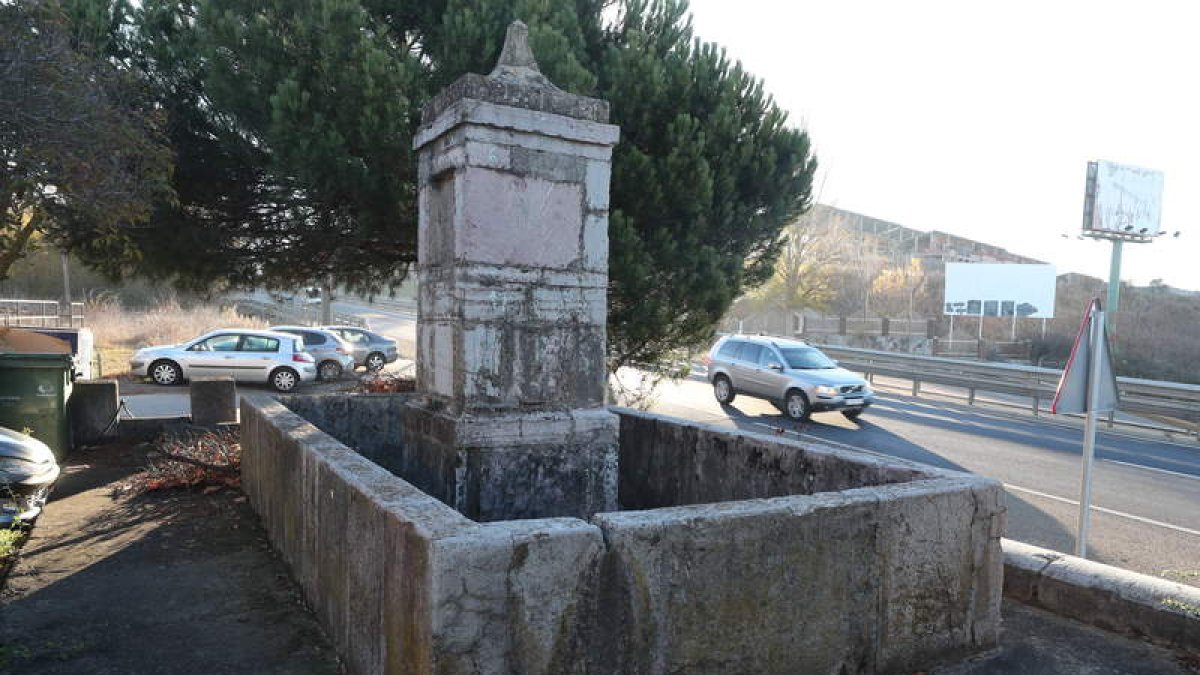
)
(213, 401)
(402, 582)
(897, 575)
(1108, 597)
(93, 409)
(664, 462)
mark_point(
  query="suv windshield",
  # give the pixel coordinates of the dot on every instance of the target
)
(806, 358)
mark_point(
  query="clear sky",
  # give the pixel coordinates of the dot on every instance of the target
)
(979, 119)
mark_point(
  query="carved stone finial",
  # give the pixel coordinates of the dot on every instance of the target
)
(517, 64)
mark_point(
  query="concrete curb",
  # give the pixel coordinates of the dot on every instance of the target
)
(1108, 597)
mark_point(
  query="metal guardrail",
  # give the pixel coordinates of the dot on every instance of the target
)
(1170, 399)
(40, 313)
(295, 314)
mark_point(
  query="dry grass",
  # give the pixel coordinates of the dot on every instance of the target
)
(119, 331)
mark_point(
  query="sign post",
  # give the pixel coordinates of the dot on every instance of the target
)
(1088, 386)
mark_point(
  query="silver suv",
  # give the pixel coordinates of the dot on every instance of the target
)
(798, 378)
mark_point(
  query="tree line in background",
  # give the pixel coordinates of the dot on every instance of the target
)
(826, 266)
(239, 143)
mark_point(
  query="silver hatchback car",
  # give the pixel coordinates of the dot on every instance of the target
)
(278, 359)
(334, 355)
(795, 376)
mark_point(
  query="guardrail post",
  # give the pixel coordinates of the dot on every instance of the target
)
(1111, 414)
(971, 396)
(916, 388)
(1036, 405)
(841, 325)
(885, 325)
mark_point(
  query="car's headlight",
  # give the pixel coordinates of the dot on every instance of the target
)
(823, 390)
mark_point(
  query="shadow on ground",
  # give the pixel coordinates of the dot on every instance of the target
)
(170, 582)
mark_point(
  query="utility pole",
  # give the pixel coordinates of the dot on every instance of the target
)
(327, 301)
(66, 312)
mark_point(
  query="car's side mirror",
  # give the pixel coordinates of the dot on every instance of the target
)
(775, 366)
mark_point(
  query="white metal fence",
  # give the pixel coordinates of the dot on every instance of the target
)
(40, 313)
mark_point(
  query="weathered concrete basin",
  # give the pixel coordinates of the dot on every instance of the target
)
(734, 552)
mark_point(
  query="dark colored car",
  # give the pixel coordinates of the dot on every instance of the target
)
(27, 473)
(371, 350)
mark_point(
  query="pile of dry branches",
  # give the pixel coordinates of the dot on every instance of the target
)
(209, 459)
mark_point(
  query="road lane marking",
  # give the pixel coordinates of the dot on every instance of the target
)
(1151, 468)
(1016, 488)
(1101, 509)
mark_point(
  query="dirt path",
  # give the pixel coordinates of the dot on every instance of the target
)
(172, 582)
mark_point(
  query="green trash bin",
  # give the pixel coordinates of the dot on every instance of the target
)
(34, 389)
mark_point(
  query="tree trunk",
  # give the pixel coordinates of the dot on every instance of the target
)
(27, 224)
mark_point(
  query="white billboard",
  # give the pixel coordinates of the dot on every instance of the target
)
(1000, 289)
(1122, 200)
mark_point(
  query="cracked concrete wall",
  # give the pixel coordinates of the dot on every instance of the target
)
(513, 240)
(513, 185)
(371, 424)
(403, 583)
(665, 461)
(888, 578)
(518, 465)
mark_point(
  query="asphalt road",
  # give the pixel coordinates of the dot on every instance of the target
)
(1146, 490)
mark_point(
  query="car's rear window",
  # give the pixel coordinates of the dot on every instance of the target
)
(313, 338)
(259, 343)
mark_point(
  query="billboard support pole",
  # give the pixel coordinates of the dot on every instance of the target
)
(1091, 417)
(1114, 281)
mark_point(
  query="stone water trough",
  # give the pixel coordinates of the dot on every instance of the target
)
(504, 520)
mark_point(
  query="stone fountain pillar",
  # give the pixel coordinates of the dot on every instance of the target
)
(513, 272)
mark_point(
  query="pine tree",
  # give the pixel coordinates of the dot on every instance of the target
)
(292, 124)
(705, 178)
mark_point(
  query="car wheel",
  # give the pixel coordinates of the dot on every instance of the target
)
(329, 370)
(852, 414)
(795, 405)
(723, 390)
(375, 362)
(284, 379)
(166, 373)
